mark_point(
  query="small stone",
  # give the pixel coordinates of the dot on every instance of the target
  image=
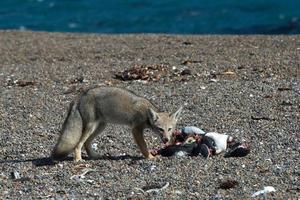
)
(178, 192)
(95, 146)
(228, 184)
(15, 175)
(152, 168)
(186, 72)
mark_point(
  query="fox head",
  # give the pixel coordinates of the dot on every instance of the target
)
(164, 123)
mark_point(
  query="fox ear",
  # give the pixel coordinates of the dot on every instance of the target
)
(153, 116)
(175, 115)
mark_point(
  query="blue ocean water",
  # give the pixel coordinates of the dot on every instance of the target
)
(153, 16)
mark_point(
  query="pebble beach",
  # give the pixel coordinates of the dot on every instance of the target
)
(244, 86)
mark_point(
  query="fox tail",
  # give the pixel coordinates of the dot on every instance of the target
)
(70, 133)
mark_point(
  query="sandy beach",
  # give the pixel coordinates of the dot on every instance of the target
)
(244, 86)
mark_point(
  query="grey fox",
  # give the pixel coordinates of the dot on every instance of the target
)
(88, 116)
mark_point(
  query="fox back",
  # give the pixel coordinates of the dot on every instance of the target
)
(116, 105)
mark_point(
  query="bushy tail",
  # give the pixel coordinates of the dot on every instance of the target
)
(70, 134)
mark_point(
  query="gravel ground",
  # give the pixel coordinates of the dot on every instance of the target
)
(246, 86)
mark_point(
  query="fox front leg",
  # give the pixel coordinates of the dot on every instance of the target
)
(140, 141)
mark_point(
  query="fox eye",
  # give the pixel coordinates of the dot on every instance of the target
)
(161, 129)
(169, 129)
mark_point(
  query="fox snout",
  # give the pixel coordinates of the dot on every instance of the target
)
(165, 140)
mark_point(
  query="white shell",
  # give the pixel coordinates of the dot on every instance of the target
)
(266, 189)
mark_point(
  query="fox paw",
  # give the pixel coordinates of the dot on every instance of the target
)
(78, 159)
(151, 155)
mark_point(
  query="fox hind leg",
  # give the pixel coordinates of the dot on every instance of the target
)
(88, 144)
(87, 132)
